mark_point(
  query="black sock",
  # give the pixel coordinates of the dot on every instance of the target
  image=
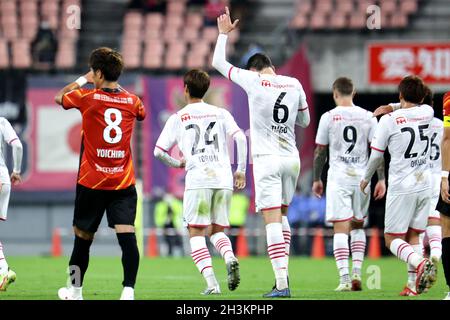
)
(130, 258)
(446, 259)
(79, 260)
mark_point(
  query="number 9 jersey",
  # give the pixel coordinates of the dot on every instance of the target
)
(108, 121)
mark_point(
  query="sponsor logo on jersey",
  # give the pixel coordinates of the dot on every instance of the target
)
(400, 120)
(185, 117)
(337, 117)
(266, 83)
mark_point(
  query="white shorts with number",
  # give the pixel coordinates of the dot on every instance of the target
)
(4, 201)
(436, 192)
(407, 211)
(203, 207)
(275, 180)
(345, 203)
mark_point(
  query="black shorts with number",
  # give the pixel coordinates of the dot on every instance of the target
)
(91, 204)
(443, 208)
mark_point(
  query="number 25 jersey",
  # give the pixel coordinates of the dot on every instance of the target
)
(407, 133)
(108, 120)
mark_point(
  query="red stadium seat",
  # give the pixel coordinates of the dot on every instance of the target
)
(28, 7)
(398, 20)
(194, 19)
(173, 62)
(195, 60)
(363, 5)
(8, 7)
(4, 58)
(318, 21)
(409, 6)
(10, 27)
(190, 34)
(338, 20)
(300, 21)
(176, 7)
(324, 6)
(154, 20)
(210, 34)
(155, 47)
(152, 34)
(173, 21)
(133, 19)
(21, 56)
(49, 8)
(358, 20)
(388, 6)
(345, 6)
(152, 61)
(171, 34)
(304, 6)
(29, 29)
(66, 55)
(201, 48)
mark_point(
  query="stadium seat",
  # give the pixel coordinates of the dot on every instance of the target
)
(300, 21)
(152, 34)
(362, 5)
(318, 21)
(152, 61)
(29, 29)
(194, 60)
(49, 8)
(345, 6)
(304, 6)
(324, 6)
(133, 19)
(358, 20)
(194, 19)
(171, 34)
(173, 21)
(10, 27)
(398, 20)
(190, 34)
(408, 6)
(201, 48)
(210, 34)
(388, 6)
(338, 20)
(28, 7)
(176, 7)
(154, 20)
(21, 57)
(173, 62)
(66, 57)
(8, 7)
(4, 57)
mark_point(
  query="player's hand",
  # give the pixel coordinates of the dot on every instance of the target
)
(444, 190)
(16, 178)
(224, 22)
(89, 77)
(239, 180)
(363, 185)
(182, 163)
(317, 188)
(380, 190)
(382, 111)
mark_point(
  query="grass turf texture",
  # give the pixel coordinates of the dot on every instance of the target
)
(177, 278)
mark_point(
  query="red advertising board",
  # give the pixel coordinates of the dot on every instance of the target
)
(390, 62)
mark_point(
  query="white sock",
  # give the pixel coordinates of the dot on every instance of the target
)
(3, 264)
(276, 249)
(287, 239)
(404, 251)
(222, 243)
(434, 234)
(358, 246)
(202, 259)
(412, 273)
(341, 253)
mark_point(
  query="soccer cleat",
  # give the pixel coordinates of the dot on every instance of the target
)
(211, 291)
(356, 282)
(435, 260)
(6, 279)
(426, 276)
(233, 275)
(407, 292)
(447, 297)
(275, 293)
(344, 287)
(68, 294)
(127, 294)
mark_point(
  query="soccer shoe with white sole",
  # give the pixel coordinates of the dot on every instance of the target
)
(6, 279)
(68, 294)
(127, 294)
(211, 291)
(233, 275)
(356, 282)
(447, 297)
(435, 260)
(426, 276)
(344, 287)
(275, 293)
(407, 292)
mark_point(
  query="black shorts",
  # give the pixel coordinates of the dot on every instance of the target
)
(90, 205)
(443, 208)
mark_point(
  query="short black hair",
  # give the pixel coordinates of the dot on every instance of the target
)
(259, 61)
(412, 89)
(344, 86)
(108, 61)
(197, 82)
(429, 96)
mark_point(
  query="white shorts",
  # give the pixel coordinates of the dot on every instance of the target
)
(203, 207)
(435, 195)
(345, 203)
(275, 180)
(4, 201)
(407, 211)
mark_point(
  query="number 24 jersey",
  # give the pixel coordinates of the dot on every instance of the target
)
(108, 120)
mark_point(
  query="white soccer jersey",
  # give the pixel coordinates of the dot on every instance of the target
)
(274, 102)
(347, 131)
(437, 131)
(200, 130)
(7, 135)
(407, 133)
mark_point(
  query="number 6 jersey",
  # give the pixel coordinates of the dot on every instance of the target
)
(407, 133)
(347, 131)
(108, 120)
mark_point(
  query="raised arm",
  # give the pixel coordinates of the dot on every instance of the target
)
(81, 81)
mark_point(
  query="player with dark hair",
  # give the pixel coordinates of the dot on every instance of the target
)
(106, 180)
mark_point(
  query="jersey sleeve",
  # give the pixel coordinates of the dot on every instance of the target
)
(74, 99)
(302, 103)
(140, 110)
(230, 124)
(244, 78)
(167, 138)
(381, 136)
(447, 110)
(322, 130)
(9, 135)
(373, 127)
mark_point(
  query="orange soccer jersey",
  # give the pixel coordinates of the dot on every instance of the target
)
(447, 110)
(108, 121)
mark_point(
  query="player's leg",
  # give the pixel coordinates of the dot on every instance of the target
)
(7, 276)
(89, 208)
(197, 218)
(434, 234)
(219, 221)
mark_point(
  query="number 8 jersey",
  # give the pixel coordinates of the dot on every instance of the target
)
(347, 131)
(108, 120)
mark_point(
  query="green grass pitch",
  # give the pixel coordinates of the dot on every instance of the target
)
(177, 278)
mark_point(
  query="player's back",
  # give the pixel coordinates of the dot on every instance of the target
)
(409, 132)
(201, 134)
(349, 130)
(273, 102)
